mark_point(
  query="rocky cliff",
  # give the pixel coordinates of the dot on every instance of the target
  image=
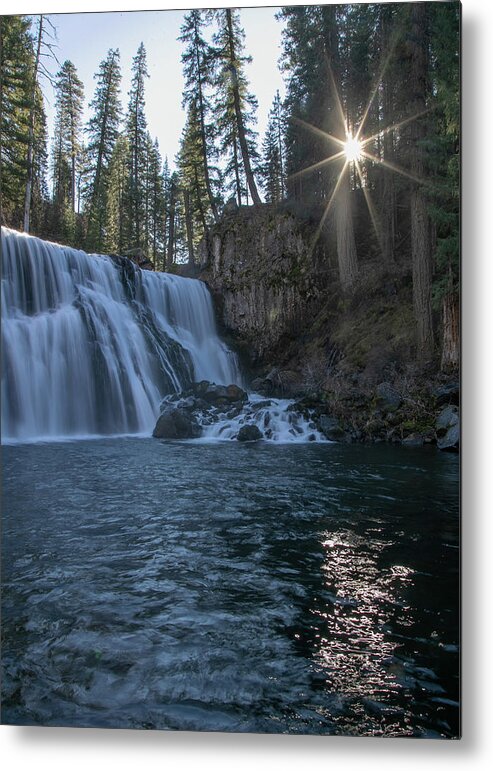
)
(279, 302)
(266, 289)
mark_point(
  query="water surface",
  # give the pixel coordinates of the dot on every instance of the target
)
(228, 587)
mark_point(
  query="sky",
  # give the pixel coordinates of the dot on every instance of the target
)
(85, 38)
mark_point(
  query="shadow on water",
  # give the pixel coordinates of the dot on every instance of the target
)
(296, 588)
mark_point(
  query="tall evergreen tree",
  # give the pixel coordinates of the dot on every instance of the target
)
(67, 148)
(197, 60)
(102, 132)
(445, 167)
(136, 133)
(418, 47)
(116, 216)
(22, 122)
(236, 107)
(192, 176)
(32, 125)
(154, 202)
(273, 154)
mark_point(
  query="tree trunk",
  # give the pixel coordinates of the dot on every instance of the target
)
(189, 226)
(203, 138)
(30, 141)
(96, 195)
(237, 170)
(239, 117)
(171, 227)
(199, 201)
(451, 331)
(420, 224)
(346, 246)
(388, 193)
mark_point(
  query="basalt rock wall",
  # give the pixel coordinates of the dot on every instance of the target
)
(266, 287)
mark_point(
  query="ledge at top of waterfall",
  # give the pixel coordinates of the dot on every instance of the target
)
(91, 344)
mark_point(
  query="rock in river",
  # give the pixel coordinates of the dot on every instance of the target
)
(175, 423)
(249, 433)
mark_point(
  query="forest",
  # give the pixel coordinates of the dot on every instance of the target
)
(384, 77)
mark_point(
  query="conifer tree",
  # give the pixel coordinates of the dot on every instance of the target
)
(22, 123)
(421, 248)
(273, 154)
(102, 132)
(444, 162)
(197, 60)
(116, 224)
(136, 133)
(192, 176)
(154, 202)
(235, 106)
(67, 148)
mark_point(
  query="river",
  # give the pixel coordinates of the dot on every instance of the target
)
(301, 588)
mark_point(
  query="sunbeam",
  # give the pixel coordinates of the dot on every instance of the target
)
(354, 148)
(319, 165)
(371, 208)
(393, 167)
(317, 131)
(396, 126)
(327, 208)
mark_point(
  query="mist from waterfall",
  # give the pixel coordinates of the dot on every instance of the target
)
(91, 344)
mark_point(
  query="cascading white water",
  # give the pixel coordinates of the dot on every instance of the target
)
(90, 344)
(273, 418)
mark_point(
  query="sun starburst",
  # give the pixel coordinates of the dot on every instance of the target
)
(355, 150)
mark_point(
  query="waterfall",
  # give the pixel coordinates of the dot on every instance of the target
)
(91, 344)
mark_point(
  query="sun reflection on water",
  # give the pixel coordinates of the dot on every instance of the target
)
(356, 656)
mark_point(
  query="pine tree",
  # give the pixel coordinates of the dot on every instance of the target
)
(67, 148)
(445, 167)
(136, 133)
(116, 224)
(154, 202)
(22, 123)
(102, 132)
(172, 222)
(235, 106)
(420, 222)
(197, 60)
(192, 176)
(346, 245)
(273, 154)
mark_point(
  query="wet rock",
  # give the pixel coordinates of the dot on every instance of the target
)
(236, 394)
(447, 418)
(249, 433)
(214, 393)
(451, 441)
(387, 398)
(330, 428)
(175, 423)
(413, 440)
(448, 393)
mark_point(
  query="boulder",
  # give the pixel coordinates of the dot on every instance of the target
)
(448, 393)
(330, 428)
(175, 423)
(236, 394)
(249, 433)
(214, 393)
(387, 398)
(451, 441)
(413, 440)
(448, 417)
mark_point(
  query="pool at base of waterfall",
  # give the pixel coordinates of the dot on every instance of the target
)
(221, 586)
